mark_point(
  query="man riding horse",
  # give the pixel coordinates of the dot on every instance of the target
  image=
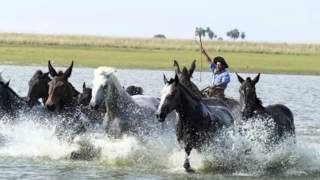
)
(220, 77)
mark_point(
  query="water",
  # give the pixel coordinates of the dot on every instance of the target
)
(29, 149)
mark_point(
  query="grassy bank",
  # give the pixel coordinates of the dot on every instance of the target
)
(95, 51)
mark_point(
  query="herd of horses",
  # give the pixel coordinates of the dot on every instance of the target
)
(198, 120)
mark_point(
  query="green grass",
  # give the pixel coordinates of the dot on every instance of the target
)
(154, 59)
(160, 44)
(93, 51)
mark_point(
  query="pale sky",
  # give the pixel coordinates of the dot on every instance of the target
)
(269, 20)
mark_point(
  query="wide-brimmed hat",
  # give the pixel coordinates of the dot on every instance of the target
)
(221, 60)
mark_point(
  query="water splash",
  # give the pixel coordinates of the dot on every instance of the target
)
(30, 137)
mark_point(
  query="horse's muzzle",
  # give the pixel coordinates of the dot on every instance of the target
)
(51, 107)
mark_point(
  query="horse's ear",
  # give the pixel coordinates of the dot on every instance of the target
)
(84, 85)
(68, 72)
(52, 71)
(7, 83)
(240, 78)
(176, 67)
(176, 79)
(256, 79)
(165, 80)
(192, 68)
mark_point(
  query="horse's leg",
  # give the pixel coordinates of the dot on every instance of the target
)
(186, 164)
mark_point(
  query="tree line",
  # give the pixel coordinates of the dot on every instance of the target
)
(207, 32)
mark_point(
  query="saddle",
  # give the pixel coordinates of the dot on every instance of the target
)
(216, 92)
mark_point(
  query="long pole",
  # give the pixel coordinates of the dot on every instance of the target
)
(200, 57)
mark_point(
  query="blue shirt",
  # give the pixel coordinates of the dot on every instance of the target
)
(218, 78)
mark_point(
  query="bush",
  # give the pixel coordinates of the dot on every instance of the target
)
(159, 36)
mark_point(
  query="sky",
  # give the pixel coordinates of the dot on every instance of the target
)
(269, 20)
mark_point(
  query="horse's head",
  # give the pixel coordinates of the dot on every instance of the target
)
(38, 87)
(60, 90)
(134, 90)
(185, 76)
(85, 96)
(248, 96)
(169, 98)
(104, 81)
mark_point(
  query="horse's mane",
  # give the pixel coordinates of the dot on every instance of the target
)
(11, 91)
(187, 90)
(102, 74)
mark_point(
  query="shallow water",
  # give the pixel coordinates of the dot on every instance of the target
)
(29, 149)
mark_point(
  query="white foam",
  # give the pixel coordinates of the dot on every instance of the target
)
(30, 139)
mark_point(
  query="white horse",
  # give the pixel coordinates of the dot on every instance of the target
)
(124, 114)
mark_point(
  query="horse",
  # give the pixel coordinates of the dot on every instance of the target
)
(38, 88)
(10, 101)
(62, 101)
(185, 79)
(61, 93)
(125, 114)
(198, 124)
(134, 90)
(84, 98)
(282, 120)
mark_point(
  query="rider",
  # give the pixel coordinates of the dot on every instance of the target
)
(220, 77)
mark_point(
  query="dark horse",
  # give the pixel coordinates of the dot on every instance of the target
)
(282, 124)
(63, 97)
(38, 88)
(185, 79)
(84, 98)
(61, 93)
(134, 90)
(199, 124)
(10, 101)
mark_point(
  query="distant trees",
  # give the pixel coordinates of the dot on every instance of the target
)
(243, 35)
(203, 32)
(210, 33)
(233, 34)
(159, 36)
(200, 32)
